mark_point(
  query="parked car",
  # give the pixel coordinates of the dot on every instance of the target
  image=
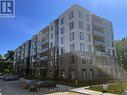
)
(124, 93)
(11, 78)
(46, 84)
(4, 76)
(28, 83)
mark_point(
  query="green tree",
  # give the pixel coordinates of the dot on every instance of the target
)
(121, 50)
(9, 57)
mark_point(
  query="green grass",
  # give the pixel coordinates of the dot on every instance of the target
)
(115, 88)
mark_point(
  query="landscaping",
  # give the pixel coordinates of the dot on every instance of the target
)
(115, 88)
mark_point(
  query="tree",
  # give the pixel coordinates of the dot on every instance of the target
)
(9, 57)
(121, 50)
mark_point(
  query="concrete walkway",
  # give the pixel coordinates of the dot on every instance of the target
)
(82, 90)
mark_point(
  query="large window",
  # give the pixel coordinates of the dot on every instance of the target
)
(82, 47)
(91, 73)
(62, 30)
(80, 24)
(72, 47)
(89, 48)
(71, 15)
(88, 37)
(51, 35)
(63, 74)
(71, 36)
(84, 74)
(88, 27)
(72, 73)
(51, 27)
(72, 59)
(71, 25)
(83, 60)
(62, 40)
(87, 16)
(62, 21)
(80, 14)
(62, 50)
(81, 36)
(51, 44)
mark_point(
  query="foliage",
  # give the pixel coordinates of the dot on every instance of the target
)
(6, 62)
(116, 88)
(121, 50)
(9, 57)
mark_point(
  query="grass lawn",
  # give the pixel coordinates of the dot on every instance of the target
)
(115, 88)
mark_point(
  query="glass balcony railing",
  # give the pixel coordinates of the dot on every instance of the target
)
(99, 33)
(44, 50)
(42, 43)
(99, 42)
(100, 25)
(44, 58)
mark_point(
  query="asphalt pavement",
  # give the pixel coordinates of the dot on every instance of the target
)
(14, 88)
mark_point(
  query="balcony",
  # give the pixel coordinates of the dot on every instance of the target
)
(101, 25)
(99, 33)
(42, 43)
(44, 50)
(99, 42)
(44, 58)
(44, 34)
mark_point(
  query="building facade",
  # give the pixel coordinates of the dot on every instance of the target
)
(78, 45)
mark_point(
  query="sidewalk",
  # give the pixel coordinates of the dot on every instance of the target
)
(82, 90)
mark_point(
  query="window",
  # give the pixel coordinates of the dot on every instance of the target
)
(51, 45)
(71, 25)
(71, 36)
(80, 14)
(51, 53)
(91, 73)
(81, 36)
(80, 24)
(83, 59)
(71, 15)
(82, 47)
(113, 52)
(88, 27)
(72, 47)
(63, 74)
(72, 59)
(51, 35)
(62, 50)
(62, 40)
(72, 73)
(87, 16)
(89, 48)
(112, 44)
(62, 30)
(62, 21)
(88, 37)
(84, 74)
(62, 60)
(51, 27)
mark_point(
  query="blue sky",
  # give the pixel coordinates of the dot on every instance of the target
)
(33, 15)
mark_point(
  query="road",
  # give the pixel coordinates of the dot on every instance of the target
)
(14, 88)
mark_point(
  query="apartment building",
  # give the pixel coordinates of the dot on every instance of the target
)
(78, 45)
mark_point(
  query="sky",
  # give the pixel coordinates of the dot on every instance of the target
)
(33, 15)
